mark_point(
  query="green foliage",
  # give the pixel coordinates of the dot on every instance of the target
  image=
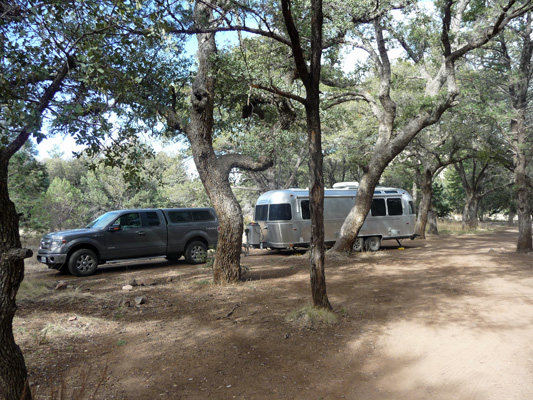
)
(440, 201)
(78, 194)
(27, 179)
(63, 205)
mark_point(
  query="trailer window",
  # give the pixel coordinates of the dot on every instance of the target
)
(261, 212)
(306, 214)
(280, 212)
(395, 206)
(378, 208)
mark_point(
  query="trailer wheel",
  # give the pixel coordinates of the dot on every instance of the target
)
(373, 243)
(358, 245)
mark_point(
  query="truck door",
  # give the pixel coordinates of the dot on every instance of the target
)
(130, 236)
(155, 233)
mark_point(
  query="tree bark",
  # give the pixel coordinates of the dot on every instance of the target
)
(510, 218)
(214, 171)
(525, 241)
(357, 215)
(311, 80)
(432, 220)
(470, 211)
(518, 91)
(425, 204)
(13, 373)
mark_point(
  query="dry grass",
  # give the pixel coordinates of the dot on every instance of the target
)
(452, 227)
(80, 390)
(311, 317)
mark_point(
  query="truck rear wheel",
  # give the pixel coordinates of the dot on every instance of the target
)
(83, 262)
(196, 252)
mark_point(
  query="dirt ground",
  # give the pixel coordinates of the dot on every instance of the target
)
(442, 318)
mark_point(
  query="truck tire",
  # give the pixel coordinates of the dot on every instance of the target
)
(196, 252)
(83, 262)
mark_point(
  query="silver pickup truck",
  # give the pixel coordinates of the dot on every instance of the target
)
(127, 234)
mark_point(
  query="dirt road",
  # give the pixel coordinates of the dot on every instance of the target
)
(443, 318)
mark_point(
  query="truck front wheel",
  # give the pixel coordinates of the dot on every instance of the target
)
(83, 262)
(196, 252)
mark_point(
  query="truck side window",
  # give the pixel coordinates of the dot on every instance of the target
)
(378, 208)
(129, 221)
(202, 215)
(306, 213)
(153, 218)
(395, 206)
(179, 217)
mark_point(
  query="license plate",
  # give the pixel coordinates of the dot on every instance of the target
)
(43, 260)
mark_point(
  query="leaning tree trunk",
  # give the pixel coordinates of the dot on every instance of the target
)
(425, 204)
(13, 373)
(357, 215)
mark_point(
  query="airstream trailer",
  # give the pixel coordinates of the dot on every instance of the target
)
(282, 219)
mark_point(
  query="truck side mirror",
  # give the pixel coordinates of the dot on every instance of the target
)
(114, 228)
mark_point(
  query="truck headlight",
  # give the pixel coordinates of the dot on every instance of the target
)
(56, 244)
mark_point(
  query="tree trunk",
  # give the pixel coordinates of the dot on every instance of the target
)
(226, 268)
(432, 219)
(525, 241)
(470, 211)
(214, 171)
(309, 71)
(357, 215)
(425, 204)
(316, 201)
(13, 373)
(518, 89)
(510, 218)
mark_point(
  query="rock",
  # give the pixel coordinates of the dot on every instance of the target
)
(62, 285)
(140, 300)
(127, 287)
(133, 282)
(74, 318)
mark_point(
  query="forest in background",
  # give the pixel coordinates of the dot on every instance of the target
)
(60, 193)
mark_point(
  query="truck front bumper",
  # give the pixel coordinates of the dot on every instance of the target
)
(53, 260)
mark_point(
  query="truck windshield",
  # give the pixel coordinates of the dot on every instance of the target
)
(103, 220)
